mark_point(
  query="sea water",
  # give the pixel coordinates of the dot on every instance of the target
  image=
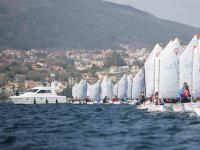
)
(95, 127)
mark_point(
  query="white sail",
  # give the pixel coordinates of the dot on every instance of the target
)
(196, 73)
(89, 92)
(169, 70)
(74, 91)
(115, 89)
(106, 88)
(96, 91)
(82, 90)
(178, 49)
(138, 84)
(150, 70)
(130, 84)
(185, 62)
(123, 86)
(157, 68)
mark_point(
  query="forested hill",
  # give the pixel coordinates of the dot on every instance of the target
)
(89, 24)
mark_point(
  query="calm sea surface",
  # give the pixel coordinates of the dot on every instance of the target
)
(95, 127)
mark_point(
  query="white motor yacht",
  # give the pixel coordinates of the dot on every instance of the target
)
(39, 95)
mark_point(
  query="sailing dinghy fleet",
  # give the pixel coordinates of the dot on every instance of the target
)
(169, 81)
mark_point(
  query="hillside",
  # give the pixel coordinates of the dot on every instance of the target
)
(89, 24)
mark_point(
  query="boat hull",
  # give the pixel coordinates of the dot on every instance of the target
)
(178, 108)
(188, 107)
(38, 100)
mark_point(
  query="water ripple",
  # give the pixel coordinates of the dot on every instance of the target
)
(99, 127)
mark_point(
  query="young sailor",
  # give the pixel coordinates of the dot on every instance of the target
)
(105, 99)
(124, 99)
(87, 99)
(184, 93)
(114, 99)
(142, 98)
(156, 98)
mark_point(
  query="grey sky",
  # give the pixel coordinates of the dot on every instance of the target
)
(184, 11)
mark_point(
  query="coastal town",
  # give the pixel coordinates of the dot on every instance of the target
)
(24, 69)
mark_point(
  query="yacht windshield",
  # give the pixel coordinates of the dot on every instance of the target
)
(44, 91)
(32, 90)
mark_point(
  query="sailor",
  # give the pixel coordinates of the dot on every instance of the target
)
(186, 93)
(125, 99)
(87, 99)
(17, 93)
(156, 97)
(114, 99)
(142, 98)
(105, 99)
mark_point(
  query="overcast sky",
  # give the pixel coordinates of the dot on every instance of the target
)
(184, 11)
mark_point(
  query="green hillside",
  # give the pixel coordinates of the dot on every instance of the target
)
(89, 24)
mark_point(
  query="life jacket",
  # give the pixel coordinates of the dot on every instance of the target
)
(124, 98)
(114, 99)
(187, 92)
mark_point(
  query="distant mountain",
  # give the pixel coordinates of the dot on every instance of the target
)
(89, 24)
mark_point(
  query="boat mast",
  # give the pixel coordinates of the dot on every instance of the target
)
(192, 92)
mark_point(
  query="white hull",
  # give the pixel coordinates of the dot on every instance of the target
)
(156, 108)
(116, 103)
(168, 107)
(76, 102)
(142, 107)
(38, 100)
(90, 103)
(178, 108)
(188, 107)
(132, 102)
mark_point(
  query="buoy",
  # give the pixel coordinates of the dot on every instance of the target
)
(56, 101)
(46, 101)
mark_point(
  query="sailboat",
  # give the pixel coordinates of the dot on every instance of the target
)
(115, 89)
(169, 76)
(196, 74)
(150, 70)
(196, 77)
(74, 91)
(130, 85)
(106, 88)
(138, 84)
(81, 90)
(157, 72)
(123, 86)
(169, 70)
(89, 92)
(186, 69)
(115, 92)
(95, 94)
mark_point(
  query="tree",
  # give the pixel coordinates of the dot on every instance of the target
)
(114, 60)
(67, 92)
(35, 75)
